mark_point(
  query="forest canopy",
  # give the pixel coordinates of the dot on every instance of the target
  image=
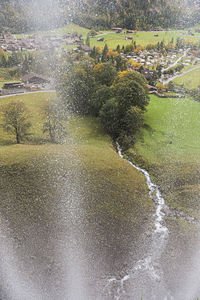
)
(28, 15)
(137, 14)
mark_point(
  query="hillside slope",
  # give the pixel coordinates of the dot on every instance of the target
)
(144, 15)
(82, 189)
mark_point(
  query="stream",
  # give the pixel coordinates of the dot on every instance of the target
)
(148, 266)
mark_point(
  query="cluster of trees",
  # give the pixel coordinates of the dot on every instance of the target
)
(26, 62)
(107, 55)
(14, 58)
(12, 17)
(117, 99)
(16, 121)
(194, 93)
(27, 15)
(136, 14)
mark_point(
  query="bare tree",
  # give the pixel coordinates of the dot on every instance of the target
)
(54, 122)
(15, 117)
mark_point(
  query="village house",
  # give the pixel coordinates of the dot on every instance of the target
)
(85, 48)
(129, 38)
(116, 29)
(150, 75)
(35, 79)
(12, 47)
(152, 89)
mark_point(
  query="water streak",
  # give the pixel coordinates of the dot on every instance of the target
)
(150, 264)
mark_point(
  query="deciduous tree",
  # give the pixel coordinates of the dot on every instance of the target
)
(16, 119)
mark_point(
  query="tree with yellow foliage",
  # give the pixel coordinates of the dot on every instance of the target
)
(134, 65)
(160, 87)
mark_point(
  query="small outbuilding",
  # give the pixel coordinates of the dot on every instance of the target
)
(129, 38)
(85, 48)
(13, 85)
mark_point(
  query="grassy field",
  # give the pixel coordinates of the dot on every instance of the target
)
(36, 177)
(72, 28)
(35, 104)
(190, 80)
(172, 131)
(169, 147)
(141, 38)
(112, 39)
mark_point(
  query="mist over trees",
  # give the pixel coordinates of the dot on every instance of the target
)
(135, 14)
(26, 15)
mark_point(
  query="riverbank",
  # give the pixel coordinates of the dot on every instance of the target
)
(169, 149)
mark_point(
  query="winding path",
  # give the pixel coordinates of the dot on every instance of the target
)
(177, 76)
(173, 65)
(176, 62)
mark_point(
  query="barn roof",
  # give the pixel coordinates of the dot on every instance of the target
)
(31, 75)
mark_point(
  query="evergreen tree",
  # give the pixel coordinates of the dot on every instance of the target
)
(118, 48)
(88, 40)
(104, 53)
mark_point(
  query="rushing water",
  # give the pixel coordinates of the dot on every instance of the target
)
(149, 265)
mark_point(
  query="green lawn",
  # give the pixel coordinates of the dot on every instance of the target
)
(113, 39)
(169, 146)
(115, 191)
(35, 104)
(172, 131)
(190, 80)
(49, 192)
(141, 38)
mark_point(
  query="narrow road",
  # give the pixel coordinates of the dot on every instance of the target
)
(176, 62)
(177, 76)
(102, 34)
(21, 94)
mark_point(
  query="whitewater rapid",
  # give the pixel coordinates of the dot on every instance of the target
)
(149, 264)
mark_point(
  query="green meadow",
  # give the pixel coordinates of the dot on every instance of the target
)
(190, 80)
(113, 39)
(169, 147)
(35, 104)
(142, 38)
(114, 190)
(171, 132)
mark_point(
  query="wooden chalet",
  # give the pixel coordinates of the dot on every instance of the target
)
(35, 79)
